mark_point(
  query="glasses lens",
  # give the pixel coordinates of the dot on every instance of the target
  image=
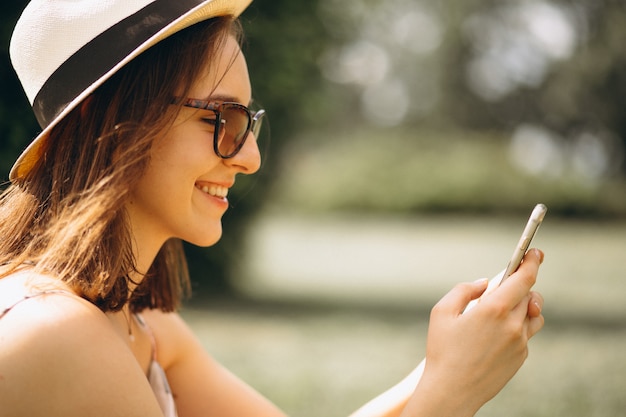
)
(234, 125)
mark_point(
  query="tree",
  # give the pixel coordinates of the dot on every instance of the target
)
(558, 67)
(17, 122)
(283, 42)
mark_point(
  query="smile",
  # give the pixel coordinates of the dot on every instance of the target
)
(214, 190)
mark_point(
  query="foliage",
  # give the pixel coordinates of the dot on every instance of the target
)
(576, 91)
(17, 122)
(546, 77)
(281, 74)
(557, 67)
(399, 170)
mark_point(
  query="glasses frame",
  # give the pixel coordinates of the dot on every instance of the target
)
(254, 121)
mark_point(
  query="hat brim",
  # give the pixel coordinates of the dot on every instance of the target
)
(204, 11)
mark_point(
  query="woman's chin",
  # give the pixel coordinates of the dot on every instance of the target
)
(206, 240)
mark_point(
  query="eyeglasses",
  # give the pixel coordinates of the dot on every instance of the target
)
(232, 124)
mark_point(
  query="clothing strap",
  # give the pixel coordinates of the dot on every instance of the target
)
(33, 295)
(157, 377)
(148, 329)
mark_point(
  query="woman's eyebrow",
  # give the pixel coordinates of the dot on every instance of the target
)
(224, 98)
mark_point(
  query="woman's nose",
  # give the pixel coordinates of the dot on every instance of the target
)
(248, 159)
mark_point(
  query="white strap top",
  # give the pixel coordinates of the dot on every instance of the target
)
(156, 374)
(158, 379)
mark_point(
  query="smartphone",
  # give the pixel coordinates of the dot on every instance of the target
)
(534, 221)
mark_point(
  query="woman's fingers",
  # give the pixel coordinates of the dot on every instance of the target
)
(534, 325)
(457, 299)
(535, 318)
(475, 353)
(516, 287)
(535, 304)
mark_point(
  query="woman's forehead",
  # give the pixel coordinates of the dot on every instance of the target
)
(226, 77)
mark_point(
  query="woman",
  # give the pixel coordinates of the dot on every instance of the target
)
(145, 128)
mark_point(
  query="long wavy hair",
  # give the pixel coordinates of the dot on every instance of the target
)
(66, 217)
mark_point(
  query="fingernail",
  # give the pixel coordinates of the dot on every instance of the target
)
(482, 281)
(539, 255)
(536, 303)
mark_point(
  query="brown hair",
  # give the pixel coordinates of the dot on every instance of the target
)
(67, 217)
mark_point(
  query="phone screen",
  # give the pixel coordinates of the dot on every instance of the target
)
(536, 217)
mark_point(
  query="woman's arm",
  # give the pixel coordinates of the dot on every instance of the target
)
(391, 402)
(201, 386)
(470, 355)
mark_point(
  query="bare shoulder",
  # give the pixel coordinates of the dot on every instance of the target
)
(63, 351)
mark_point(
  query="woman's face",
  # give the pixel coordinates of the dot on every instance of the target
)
(183, 191)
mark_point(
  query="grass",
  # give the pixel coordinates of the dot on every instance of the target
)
(320, 346)
(339, 274)
(397, 170)
(327, 363)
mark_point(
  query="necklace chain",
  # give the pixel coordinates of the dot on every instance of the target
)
(128, 317)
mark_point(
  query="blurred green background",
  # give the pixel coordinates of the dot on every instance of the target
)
(409, 140)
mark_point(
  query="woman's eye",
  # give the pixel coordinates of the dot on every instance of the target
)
(208, 120)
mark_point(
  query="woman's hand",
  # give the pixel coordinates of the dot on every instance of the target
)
(470, 356)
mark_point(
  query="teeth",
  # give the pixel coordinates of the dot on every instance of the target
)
(215, 190)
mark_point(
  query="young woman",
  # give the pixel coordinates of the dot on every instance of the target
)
(144, 110)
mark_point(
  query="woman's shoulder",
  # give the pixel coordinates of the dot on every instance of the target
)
(28, 290)
(31, 300)
(48, 324)
(54, 344)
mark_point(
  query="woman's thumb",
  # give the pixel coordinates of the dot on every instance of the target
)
(463, 296)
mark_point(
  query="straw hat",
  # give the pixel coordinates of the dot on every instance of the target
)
(63, 50)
